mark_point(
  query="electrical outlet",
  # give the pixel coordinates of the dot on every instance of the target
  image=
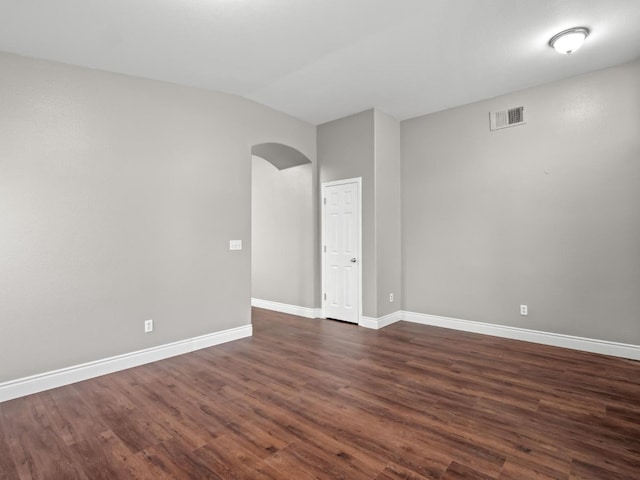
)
(148, 326)
(391, 297)
(524, 310)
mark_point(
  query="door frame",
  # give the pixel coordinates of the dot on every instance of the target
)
(323, 187)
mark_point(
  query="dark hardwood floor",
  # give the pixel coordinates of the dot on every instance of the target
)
(317, 399)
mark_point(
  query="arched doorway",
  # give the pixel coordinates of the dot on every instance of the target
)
(283, 229)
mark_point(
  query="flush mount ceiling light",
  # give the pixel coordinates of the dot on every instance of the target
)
(568, 41)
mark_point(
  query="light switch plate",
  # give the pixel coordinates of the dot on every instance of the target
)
(235, 244)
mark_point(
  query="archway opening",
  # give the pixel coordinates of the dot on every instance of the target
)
(279, 155)
(283, 229)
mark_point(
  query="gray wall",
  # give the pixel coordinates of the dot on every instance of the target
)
(346, 150)
(387, 212)
(118, 198)
(546, 214)
(283, 247)
(367, 145)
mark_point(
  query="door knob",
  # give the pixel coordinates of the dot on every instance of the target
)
(353, 260)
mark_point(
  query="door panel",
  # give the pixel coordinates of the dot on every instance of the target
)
(341, 251)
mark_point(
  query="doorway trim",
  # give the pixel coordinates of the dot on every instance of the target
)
(323, 186)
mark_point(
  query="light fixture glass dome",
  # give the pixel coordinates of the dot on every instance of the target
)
(568, 41)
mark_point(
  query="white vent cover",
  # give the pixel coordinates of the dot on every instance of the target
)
(507, 118)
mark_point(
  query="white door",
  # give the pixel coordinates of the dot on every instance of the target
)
(341, 250)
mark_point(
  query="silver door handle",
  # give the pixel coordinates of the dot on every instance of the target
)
(353, 260)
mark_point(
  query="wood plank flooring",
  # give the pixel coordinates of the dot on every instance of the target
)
(318, 399)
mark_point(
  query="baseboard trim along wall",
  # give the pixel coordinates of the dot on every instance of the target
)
(58, 378)
(616, 349)
(378, 323)
(604, 347)
(286, 308)
(623, 350)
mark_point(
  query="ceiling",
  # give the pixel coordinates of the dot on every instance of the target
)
(319, 60)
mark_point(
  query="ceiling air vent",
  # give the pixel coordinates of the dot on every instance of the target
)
(507, 118)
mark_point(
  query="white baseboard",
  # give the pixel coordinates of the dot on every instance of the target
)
(286, 308)
(604, 347)
(368, 322)
(378, 323)
(58, 378)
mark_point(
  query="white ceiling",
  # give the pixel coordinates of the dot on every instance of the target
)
(319, 60)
